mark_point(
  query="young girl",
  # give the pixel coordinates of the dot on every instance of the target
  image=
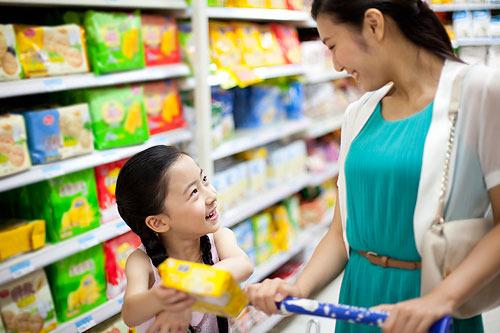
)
(166, 199)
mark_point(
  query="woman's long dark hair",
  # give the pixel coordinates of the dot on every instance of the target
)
(415, 19)
(141, 189)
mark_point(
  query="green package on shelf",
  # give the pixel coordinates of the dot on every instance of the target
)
(114, 41)
(118, 116)
(68, 203)
(78, 283)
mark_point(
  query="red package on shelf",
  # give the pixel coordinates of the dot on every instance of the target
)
(106, 176)
(289, 41)
(161, 40)
(163, 106)
(116, 252)
(296, 4)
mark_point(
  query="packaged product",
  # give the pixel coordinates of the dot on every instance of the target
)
(292, 205)
(161, 40)
(186, 42)
(10, 69)
(48, 51)
(114, 41)
(118, 116)
(215, 289)
(106, 176)
(248, 36)
(78, 283)
(261, 224)
(293, 100)
(280, 229)
(276, 4)
(245, 238)
(246, 3)
(481, 21)
(14, 155)
(289, 41)
(112, 325)
(296, 4)
(257, 169)
(222, 115)
(18, 236)
(269, 44)
(116, 252)
(26, 305)
(67, 203)
(163, 106)
(462, 24)
(59, 133)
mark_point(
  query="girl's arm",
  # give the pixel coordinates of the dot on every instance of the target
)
(142, 302)
(232, 258)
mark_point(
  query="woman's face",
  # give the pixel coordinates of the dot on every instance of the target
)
(353, 51)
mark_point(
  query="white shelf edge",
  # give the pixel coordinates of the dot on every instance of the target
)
(264, 73)
(325, 126)
(268, 324)
(486, 41)
(24, 264)
(248, 139)
(89, 80)
(150, 4)
(318, 178)
(93, 317)
(47, 171)
(312, 78)
(257, 14)
(464, 6)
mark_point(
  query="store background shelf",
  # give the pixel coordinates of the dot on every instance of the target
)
(150, 4)
(262, 72)
(464, 6)
(325, 126)
(255, 14)
(311, 78)
(331, 170)
(25, 264)
(89, 80)
(55, 169)
(248, 139)
(476, 41)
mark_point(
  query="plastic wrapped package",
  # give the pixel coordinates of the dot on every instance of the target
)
(18, 236)
(288, 39)
(10, 68)
(161, 40)
(222, 115)
(106, 176)
(163, 106)
(14, 156)
(245, 238)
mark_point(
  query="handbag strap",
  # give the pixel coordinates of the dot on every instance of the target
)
(454, 106)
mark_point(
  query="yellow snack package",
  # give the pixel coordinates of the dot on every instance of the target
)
(246, 3)
(216, 290)
(20, 236)
(247, 34)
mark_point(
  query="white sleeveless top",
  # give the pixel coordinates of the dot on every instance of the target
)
(201, 322)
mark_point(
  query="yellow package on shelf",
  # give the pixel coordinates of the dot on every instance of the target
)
(216, 290)
(17, 237)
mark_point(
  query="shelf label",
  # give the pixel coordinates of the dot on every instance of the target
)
(85, 323)
(121, 226)
(88, 241)
(52, 170)
(53, 84)
(22, 268)
(120, 300)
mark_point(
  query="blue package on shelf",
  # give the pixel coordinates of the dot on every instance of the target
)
(293, 98)
(44, 135)
(257, 106)
(222, 113)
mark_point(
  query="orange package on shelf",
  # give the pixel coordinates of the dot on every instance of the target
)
(161, 40)
(18, 236)
(106, 176)
(163, 106)
(289, 41)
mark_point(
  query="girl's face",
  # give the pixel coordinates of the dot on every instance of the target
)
(353, 51)
(191, 202)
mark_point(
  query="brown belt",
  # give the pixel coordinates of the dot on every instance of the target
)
(384, 261)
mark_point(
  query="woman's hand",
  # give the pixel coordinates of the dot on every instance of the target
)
(264, 295)
(416, 315)
(172, 300)
(171, 322)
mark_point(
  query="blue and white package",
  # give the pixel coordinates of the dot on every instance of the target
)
(293, 99)
(258, 106)
(44, 135)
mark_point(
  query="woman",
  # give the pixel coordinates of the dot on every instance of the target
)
(393, 148)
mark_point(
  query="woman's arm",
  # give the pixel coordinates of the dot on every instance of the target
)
(327, 262)
(141, 302)
(480, 267)
(232, 258)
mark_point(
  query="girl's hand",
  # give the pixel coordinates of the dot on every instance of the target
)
(416, 315)
(264, 295)
(172, 300)
(171, 322)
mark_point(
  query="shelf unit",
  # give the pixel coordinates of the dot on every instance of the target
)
(317, 178)
(486, 41)
(312, 78)
(320, 128)
(465, 6)
(256, 14)
(146, 4)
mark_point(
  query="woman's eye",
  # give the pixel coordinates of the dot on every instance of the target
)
(205, 179)
(194, 192)
(332, 47)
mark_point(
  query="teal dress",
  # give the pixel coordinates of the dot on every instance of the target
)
(382, 171)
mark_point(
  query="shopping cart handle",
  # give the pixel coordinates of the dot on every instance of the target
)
(354, 314)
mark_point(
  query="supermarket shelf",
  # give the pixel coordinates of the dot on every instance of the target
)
(24, 264)
(476, 42)
(267, 324)
(256, 14)
(262, 72)
(331, 170)
(325, 126)
(150, 4)
(248, 139)
(263, 201)
(89, 80)
(312, 78)
(464, 6)
(55, 169)
(93, 317)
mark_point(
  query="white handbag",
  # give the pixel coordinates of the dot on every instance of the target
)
(445, 245)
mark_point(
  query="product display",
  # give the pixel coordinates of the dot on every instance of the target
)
(14, 155)
(78, 283)
(163, 106)
(222, 115)
(161, 42)
(10, 69)
(26, 305)
(17, 236)
(106, 176)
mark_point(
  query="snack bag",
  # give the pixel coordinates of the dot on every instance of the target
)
(10, 69)
(78, 283)
(248, 36)
(26, 305)
(261, 225)
(296, 4)
(118, 116)
(106, 176)
(17, 236)
(116, 252)
(186, 41)
(280, 229)
(161, 40)
(48, 51)
(114, 41)
(215, 289)
(270, 46)
(246, 3)
(245, 238)
(222, 115)
(67, 203)
(276, 4)
(59, 133)
(163, 106)
(14, 155)
(289, 41)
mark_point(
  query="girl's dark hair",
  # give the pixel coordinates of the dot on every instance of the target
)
(415, 19)
(140, 192)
